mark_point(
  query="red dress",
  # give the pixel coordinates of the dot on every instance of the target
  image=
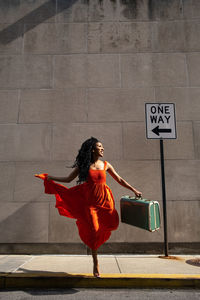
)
(91, 203)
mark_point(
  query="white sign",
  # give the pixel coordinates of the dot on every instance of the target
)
(160, 121)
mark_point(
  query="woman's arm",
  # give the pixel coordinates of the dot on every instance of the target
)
(69, 178)
(121, 181)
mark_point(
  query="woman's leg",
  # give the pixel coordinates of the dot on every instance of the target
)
(95, 264)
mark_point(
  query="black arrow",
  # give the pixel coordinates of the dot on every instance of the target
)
(158, 130)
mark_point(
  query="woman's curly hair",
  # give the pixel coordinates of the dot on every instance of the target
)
(84, 158)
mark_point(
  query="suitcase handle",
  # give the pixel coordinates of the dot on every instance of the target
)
(137, 198)
(140, 198)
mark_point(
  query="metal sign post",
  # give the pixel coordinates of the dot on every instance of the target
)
(162, 161)
(161, 124)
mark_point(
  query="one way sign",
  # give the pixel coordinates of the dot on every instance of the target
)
(160, 121)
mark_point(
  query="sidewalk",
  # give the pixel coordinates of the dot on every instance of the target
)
(117, 271)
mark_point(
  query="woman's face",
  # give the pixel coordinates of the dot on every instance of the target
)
(99, 149)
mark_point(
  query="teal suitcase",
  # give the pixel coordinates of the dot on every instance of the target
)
(140, 212)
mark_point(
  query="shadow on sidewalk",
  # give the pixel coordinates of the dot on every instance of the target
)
(51, 273)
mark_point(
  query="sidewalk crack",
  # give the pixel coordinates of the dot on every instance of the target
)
(118, 264)
(22, 264)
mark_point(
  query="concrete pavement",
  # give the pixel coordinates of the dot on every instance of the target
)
(117, 271)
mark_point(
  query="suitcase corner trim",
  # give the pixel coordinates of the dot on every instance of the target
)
(155, 219)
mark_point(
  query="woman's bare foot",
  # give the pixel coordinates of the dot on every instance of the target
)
(96, 265)
(96, 270)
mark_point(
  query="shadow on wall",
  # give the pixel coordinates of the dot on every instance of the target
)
(24, 224)
(156, 9)
(34, 18)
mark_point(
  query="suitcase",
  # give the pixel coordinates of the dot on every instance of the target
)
(140, 212)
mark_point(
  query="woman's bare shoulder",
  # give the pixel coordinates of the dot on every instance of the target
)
(108, 165)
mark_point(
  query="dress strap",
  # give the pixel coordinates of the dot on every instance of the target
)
(105, 164)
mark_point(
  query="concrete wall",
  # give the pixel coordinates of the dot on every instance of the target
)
(72, 69)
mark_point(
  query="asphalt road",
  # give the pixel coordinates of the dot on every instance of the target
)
(100, 294)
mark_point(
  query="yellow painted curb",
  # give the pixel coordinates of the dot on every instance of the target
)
(127, 275)
(104, 275)
(63, 280)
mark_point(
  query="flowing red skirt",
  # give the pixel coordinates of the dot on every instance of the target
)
(91, 204)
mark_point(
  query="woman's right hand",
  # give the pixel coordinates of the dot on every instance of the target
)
(137, 193)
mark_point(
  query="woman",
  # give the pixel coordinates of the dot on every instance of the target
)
(91, 201)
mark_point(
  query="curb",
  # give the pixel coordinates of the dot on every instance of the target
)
(60, 280)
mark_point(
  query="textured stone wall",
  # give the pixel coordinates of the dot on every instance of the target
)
(74, 69)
